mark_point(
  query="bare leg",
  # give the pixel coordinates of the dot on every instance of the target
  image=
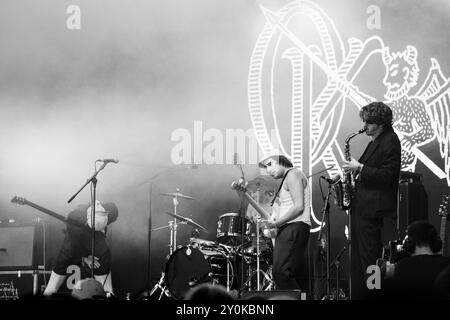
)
(106, 281)
(55, 282)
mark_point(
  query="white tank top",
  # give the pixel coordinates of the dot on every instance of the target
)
(284, 203)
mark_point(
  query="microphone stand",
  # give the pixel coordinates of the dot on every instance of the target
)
(242, 219)
(258, 249)
(326, 220)
(349, 245)
(243, 227)
(93, 180)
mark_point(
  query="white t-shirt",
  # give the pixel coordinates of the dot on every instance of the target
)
(285, 202)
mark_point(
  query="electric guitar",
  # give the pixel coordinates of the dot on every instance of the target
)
(23, 201)
(241, 187)
(443, 212)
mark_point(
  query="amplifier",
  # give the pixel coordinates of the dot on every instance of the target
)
(412, 205)
(16, 247)
(21, 245)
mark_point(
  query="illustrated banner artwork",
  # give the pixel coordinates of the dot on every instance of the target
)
(421, 111)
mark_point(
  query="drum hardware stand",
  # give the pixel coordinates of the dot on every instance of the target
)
(173, 239)
(268, 277)
(267, 284)
(150, 182)
(161, 285)
(228, 256)
(258, 252)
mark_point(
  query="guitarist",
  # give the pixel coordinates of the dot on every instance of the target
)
(76, 247)
(291, 217)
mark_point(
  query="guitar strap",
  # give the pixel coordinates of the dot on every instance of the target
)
(279, 188)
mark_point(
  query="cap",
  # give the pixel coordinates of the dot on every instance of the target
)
(271, 154)
(99, 209)
(107, 208)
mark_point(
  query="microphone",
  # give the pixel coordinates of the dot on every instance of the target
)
(108, 160)
(330, 181)
(192, 283)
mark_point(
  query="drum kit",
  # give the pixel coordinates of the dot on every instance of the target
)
(235, 264)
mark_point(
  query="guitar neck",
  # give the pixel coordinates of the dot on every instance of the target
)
(257, 207)
(49, 212)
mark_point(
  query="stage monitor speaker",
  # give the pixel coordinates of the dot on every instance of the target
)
(273, 295)
(412, 205)
(16, 247)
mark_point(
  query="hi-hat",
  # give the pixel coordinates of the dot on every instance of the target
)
(177, 194)
(188, 220)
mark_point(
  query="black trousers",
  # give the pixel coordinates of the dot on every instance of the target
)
(366, 248)
(290, 267)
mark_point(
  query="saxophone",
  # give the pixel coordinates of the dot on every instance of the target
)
(343, 188)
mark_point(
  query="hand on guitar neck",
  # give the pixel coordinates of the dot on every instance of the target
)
(268, 222)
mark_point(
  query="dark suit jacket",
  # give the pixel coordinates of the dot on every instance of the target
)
(376, 188)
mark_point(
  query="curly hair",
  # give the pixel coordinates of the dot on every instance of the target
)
(378, 113)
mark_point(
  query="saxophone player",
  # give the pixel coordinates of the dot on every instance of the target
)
(375, 192)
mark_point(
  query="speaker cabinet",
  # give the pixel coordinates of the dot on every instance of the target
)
(274, 295)
(412, 205)
(16, 247)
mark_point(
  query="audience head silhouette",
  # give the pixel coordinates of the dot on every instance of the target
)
(208, 292)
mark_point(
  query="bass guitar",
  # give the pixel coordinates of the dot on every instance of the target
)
(241, 187)
(23, 201)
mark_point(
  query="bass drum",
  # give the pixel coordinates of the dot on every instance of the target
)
(188, 267)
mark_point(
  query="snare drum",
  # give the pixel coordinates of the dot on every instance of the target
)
(265, 249)
(188, 267)
(229, 229)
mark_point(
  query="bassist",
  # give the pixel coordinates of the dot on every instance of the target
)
(76, 247)
(291, 218)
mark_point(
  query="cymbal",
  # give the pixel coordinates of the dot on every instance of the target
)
(188, 220)
(177, 194)
(263, 181)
